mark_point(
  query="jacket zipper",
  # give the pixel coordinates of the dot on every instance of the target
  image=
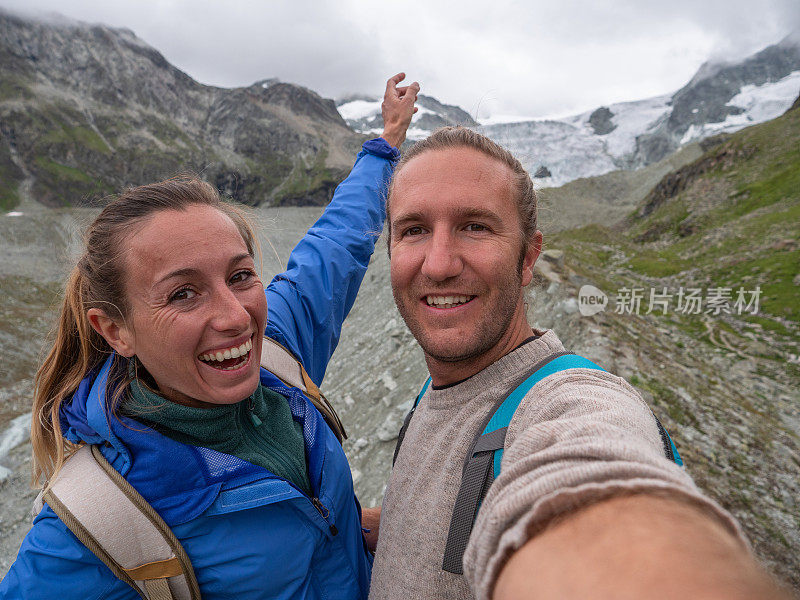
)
(325, 513)
(316, 502)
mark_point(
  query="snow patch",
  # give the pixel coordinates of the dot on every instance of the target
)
(503, 119)
(631, 119)
(359, 109)
(567, 150)
(759, 102)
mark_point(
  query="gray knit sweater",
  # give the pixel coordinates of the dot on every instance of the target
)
(578, 437)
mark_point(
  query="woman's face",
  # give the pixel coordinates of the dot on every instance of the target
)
(194, 297)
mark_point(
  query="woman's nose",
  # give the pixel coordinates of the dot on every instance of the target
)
(229, 312)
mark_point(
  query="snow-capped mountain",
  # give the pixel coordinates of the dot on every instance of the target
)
(720, 98)
(363, 113)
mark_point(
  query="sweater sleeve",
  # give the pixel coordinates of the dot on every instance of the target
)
(588, 436)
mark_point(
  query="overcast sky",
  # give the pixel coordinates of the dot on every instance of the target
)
(529, 58)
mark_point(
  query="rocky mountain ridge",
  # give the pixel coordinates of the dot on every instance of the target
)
(88, 109)
(706, 99)
(721, 97)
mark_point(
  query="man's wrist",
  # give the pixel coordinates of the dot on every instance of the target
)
(394, 137)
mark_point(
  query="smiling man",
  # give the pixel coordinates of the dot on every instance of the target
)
(586, 499)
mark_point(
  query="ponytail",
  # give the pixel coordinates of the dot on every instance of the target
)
(76, 350)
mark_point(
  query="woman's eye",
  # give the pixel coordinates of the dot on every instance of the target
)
(241, 276)
(182, 294)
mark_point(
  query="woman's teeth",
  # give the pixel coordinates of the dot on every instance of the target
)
(447, 301)
(228, 353)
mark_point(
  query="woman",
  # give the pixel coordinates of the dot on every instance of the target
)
(157, 362)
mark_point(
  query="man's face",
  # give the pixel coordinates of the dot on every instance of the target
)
(455, 248)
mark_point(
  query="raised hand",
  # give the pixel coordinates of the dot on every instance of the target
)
(397, 109)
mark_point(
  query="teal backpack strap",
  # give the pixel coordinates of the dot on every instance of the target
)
(505, 412)
(407, 420)
(483, 464)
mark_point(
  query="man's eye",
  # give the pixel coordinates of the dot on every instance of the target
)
(182, 294)
(476, 227)
(241, 276)
(416, 230)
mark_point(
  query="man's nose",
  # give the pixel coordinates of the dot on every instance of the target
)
(229, 312)
(442, 258)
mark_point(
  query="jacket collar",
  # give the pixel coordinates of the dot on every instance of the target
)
(178, 480)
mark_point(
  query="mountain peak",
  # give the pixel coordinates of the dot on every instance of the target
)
(89, 109)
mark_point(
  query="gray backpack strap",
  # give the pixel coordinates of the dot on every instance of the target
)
(484, 458)
(478, 476)
(279, 361)
(112, 520)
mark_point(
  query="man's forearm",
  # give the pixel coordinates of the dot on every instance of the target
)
(635, 547)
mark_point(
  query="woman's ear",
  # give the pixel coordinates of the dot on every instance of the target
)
(117, 336)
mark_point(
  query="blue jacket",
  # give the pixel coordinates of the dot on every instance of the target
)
(248, 533)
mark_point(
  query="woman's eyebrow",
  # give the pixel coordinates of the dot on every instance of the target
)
(189, 271)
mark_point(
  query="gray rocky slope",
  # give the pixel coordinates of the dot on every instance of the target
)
(87, 109)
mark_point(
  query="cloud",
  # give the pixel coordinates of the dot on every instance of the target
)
(527, 58)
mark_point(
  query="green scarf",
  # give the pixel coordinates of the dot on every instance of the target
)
(259, 429)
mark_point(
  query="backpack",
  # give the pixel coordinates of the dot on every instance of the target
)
(486, 453)
(101, 508)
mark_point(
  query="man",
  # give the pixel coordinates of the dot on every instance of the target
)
(586, 504)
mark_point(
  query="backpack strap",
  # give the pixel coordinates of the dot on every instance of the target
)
(407, 420)
(486, 454)
(669, 446)
(117, 524)
(485, 457)
(279, 360)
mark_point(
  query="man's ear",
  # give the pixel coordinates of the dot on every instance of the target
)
(534, 249)
(117, 336)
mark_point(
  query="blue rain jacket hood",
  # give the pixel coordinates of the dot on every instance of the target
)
(248, 533)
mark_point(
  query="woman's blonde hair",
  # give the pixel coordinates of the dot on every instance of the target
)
(98, 281)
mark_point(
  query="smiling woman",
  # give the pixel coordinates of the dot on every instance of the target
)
(192, 290)
(156, 364)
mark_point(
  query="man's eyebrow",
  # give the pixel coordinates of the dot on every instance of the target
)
(189, 271)
(407, 218)
(478, 213)
(460, 213)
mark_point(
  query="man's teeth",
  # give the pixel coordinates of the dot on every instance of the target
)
(221, 355)
(447, 300)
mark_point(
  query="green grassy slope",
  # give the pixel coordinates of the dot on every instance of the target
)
(732, 221)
